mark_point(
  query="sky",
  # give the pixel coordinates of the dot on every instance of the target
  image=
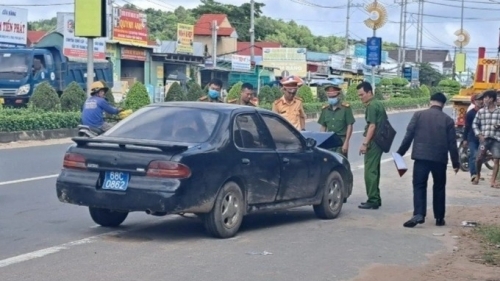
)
(441, 18)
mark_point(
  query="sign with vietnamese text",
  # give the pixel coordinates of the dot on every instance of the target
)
(292, 60)
(240, 63)
(373, 51)
(130, 27)
(131, 53)
(13, 27)
(76, 47)
(185, 38)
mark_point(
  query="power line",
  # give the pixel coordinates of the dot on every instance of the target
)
(460, 7)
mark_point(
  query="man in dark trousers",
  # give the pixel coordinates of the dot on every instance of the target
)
(433, 135)
(470, 140)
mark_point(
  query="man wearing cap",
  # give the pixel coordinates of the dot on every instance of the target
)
(95, 106)
(433, 135)
(289, 105)
(337, 117)
(470, 140)
(245, 96)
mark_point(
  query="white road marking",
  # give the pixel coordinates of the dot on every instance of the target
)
(29, 179)
(52, 250)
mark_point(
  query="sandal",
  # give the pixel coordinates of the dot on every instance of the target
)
(495, 185)
(475, 180)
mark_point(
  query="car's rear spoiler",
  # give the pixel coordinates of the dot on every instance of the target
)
(164, 146)
(326, 140)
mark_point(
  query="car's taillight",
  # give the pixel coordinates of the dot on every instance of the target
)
(74, 161)
(167, 169)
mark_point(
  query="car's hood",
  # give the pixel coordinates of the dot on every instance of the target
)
(326, 140)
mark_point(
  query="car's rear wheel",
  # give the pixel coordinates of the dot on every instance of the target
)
(106, 217)
(333, 197)
(226, 216)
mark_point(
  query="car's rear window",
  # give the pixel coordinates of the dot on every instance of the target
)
(175, 124)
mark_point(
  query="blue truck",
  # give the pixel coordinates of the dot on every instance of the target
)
(22, 69)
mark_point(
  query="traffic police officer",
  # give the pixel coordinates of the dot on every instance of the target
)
(214, 90)
(289, 105)
(337, 117)
(246, 96)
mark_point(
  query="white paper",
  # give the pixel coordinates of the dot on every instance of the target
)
(400, 163)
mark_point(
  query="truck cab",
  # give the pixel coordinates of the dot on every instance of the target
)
(21, 70)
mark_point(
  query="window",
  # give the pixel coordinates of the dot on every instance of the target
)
(284, 138)
(246, 133)
(174, 124)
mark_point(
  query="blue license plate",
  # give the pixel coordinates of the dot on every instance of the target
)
(116, 181)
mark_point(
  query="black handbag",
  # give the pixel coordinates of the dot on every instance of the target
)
(384, 135)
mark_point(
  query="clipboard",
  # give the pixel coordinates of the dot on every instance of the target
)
(400, 163)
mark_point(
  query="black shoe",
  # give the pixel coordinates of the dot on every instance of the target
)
(368, 206)
(440, 222)
(364, 203)
(418, 219)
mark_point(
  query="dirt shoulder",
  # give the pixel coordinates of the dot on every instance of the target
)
(468, 253)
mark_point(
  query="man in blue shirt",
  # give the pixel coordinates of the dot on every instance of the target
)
(470, 140)
(95, 106)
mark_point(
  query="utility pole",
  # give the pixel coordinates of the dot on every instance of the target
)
(214, 42)
(400, 44)
(405, 17)
(346, 51)
(252, 31)
(374, 67)
(421, 30)
(462, 23)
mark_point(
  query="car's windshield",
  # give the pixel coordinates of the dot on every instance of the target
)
(173, 124)
(13, 65)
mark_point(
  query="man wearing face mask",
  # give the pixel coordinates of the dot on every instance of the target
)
(214, 90)
(337, 117)
(289, 105)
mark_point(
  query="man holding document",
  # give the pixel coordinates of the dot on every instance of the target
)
(433, 135)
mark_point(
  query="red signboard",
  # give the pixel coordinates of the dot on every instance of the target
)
(129, 53)
(130, 27)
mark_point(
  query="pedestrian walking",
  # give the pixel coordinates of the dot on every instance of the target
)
(375, 114)
(433, 135)
(214, 91)
(470, 141)
(289, 105)
(337, 117)
(486, 127)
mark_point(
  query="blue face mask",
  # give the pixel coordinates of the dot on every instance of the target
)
(213, 94)
(333, 101)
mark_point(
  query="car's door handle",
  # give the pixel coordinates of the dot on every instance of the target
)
(245, 161)
(286, 160)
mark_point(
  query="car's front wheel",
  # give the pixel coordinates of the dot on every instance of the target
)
(333, 197)
(226, 216)
(106, 217)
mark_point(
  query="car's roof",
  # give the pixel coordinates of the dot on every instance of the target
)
(221, 107)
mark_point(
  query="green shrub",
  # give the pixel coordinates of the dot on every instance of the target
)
(322, 94)
(45, 98)
(194, 91)
(73, 97)
(425, 91)
(137, 97)
(28, 120)
(175, 93)
(352, 93)
(266, 95)
(305, 94)
(235, 91)
(277, 92)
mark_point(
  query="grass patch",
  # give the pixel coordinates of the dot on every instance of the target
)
(489, 236)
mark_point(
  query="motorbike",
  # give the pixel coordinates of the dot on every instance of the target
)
(91, 132)
(464, 152)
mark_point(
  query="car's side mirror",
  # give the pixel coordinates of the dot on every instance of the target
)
(310, 142)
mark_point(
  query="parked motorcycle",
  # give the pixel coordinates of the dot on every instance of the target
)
(464, 152)
(91, 132)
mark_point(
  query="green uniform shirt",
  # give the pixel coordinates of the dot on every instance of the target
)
(336, 120)
(374, 114)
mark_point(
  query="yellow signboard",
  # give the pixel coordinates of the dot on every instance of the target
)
(293, 67)
(90, 18)
(185, 38)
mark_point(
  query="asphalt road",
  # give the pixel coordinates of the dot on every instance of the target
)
(43, 239)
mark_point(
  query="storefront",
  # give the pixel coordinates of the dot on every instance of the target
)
(133, 62)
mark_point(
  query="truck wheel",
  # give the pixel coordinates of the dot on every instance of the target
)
(333, 197)
(226, 216)
(106, 217)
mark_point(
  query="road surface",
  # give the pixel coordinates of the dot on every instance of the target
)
(43, 239)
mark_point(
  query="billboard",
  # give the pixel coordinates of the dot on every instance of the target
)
(13, 27)
(90, 16)
(292, 60)
(185, 38)
(76, 47)
(130, 27)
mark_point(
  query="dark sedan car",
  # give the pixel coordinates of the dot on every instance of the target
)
(219, 161)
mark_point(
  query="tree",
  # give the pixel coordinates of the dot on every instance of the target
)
(45, 98)
(322, 94)
(175, 93)
(194, 91)
(235, 91)
(305, 93)
(266, 95)
(137, 97)
(428, 75)
(276, 92)
(73, 97)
